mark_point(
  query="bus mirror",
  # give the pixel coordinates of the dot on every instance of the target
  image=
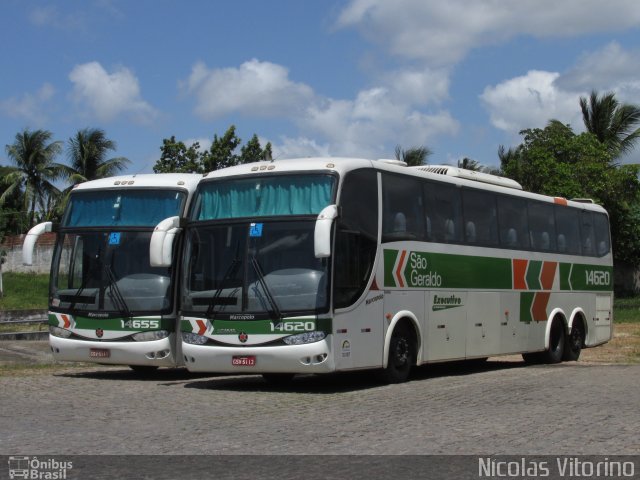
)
(161, 244)
(322, 233)
(30, 241)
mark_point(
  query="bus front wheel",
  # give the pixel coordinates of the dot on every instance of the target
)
(402, 355)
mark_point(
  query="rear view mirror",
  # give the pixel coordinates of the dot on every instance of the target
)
(161, 244)
(30, 241)
(322, 233)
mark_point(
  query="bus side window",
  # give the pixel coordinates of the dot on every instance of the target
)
(542, 225)
(587, 234)
(513, 222)
(479, 211)
(568, 226)
(442, 205)
(601, 230)
(356, 236)
(403, 213)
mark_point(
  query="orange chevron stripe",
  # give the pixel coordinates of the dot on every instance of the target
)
(399, 269)
(548, 275)
(539, 307)
(519, 274)
(203, 327)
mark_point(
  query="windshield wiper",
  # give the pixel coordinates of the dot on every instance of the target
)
(115, 293)
(263, 283)
(216, 296)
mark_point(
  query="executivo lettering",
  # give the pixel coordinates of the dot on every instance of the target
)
(444, 303)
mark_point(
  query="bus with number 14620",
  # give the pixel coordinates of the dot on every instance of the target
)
(318, 265)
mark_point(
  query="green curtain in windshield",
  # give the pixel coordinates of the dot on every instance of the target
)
(265, 196)
(122, 208)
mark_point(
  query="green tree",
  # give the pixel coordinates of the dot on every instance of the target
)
(33, 153)
(222, 152)
(414, 156)
(178, 158)
(614, 124)
(87, 152)
(253, 151)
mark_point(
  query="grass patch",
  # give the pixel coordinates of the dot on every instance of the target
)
(626, 310)
(24, 291)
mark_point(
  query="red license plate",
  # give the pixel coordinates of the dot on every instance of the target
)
(99, 353)
(246, 361)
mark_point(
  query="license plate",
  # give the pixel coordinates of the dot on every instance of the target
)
(99, 353)
(246, 361)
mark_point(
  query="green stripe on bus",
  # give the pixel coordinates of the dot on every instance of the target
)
(533, 275)
(526, 302)
(116, 324)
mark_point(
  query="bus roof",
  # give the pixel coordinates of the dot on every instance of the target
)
(187, 181)
(342, 165)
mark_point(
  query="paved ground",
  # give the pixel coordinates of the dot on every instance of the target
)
(502, 407)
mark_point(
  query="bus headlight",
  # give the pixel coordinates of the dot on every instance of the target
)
(148, 336)
(59, 332)
(194, 338)
(306, 337)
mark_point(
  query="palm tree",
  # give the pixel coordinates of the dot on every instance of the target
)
(35, 170)
(87, 152)
(614, 124)
(414, 156)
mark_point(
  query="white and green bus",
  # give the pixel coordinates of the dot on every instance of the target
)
(107, 303)
(328, 264)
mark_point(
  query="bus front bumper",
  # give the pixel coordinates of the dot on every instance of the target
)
(155, 353)
(309, 358)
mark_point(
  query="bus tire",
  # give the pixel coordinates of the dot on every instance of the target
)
(402, 355)
(555, 352)
(574, 341)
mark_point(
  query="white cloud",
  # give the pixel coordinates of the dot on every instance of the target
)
(50, 16)
(530, 101)
(109, 95)
(31, 106)
(373, 123)
(255, 88)
(610, 68)
(299, 147)
(444, 32)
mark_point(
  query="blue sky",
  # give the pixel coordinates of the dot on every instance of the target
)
(340, 78)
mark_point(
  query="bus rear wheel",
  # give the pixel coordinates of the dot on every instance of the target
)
(402, 356)
(555, 352)
(574, 342)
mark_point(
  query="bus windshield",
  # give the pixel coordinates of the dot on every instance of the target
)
(122, 207)
(108, 272)
(101, 261)
(261, 270)
(263, 196)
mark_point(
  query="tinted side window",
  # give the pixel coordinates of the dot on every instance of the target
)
(356, 236)
(443, 215)
(513, 222)
(403, 213)
(601, 229)
(568, 230)
(542, 226)
(480, 219)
